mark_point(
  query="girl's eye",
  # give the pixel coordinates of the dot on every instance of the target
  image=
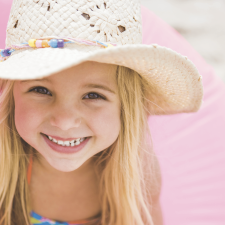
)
(94, 96)
(41, 90)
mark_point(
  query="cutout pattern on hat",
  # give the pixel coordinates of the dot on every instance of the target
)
(103, 20)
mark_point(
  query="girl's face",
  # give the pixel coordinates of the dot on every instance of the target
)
(81, 101)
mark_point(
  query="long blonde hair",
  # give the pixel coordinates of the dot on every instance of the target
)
(127, 168)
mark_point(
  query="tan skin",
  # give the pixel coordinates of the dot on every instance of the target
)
(65, 186)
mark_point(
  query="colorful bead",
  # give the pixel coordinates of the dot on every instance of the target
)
(32, 42)
(38, 43)
(60, 43)
(48, 42)
(5, 53)
(110, 46)
(53, 43)
(45, 44)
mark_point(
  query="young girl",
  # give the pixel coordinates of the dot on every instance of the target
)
(77, 90)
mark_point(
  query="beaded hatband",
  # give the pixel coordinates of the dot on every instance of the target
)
(54, 42)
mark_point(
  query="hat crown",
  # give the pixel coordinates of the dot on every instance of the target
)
(116, 21)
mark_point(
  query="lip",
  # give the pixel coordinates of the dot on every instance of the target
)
(66, 149)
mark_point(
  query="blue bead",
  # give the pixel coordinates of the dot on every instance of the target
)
(2, 54)
(53, 43)
(60, 43)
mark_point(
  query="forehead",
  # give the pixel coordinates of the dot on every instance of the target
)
(81, 75)
(88, 71)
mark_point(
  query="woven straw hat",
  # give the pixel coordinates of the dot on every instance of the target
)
(106, 31)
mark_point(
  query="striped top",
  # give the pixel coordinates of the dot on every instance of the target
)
(36, 219)
(39, 220)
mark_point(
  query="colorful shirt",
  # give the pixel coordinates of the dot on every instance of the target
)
(39, 220)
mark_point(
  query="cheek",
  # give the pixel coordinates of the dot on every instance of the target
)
(106, 125)
(27, 119)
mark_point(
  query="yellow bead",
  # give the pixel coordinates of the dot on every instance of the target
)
(32, 43)
(110, 46)
(45, 44)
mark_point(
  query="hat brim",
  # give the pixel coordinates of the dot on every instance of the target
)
(174, 78)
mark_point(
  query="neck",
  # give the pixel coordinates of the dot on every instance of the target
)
(65, 196)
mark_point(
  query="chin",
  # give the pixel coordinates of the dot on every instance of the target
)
(65, 165)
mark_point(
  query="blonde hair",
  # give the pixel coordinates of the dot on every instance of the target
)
(127, 168)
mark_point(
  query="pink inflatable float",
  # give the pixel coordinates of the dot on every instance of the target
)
(190, 147)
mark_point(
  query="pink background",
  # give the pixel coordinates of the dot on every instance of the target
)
(190, 147)
(4, 15)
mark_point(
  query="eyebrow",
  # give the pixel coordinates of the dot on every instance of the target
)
(44, 79)
(99, 86)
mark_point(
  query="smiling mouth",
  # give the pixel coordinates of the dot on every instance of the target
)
(66, 143)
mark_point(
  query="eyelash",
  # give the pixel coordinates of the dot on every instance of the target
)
(39, 88)
(47, 93)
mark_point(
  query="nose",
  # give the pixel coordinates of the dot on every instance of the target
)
(65, 118)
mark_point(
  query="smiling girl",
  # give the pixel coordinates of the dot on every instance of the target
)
(74, 139)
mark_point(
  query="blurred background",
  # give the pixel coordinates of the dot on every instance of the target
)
(201, 22)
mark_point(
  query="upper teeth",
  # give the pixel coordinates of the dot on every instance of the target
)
(67, 143)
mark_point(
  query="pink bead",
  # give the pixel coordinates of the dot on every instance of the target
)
(39, 43)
